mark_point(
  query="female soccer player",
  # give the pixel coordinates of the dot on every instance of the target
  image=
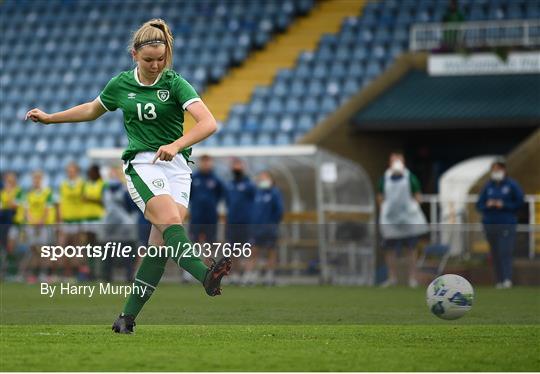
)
(153, 99)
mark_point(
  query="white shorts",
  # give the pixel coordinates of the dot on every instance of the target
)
(146, 180)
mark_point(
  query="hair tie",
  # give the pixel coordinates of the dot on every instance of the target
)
(142, 44)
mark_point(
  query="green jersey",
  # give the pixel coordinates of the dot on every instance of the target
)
(153, 114)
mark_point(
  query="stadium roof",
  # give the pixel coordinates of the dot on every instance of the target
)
(419, 101)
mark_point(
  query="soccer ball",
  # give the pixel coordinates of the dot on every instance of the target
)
(450, 296)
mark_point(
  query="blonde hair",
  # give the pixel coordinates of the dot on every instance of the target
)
(155, 31)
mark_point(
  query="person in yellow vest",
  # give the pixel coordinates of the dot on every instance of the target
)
(93, 211)
(12, 211)
(70, 216)
(37, 203)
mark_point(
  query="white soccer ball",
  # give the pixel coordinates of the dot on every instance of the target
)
(450, 296)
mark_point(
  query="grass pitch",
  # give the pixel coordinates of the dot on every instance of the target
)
(270, 329)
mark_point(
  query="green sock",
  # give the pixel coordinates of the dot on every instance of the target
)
(176, 237)
(149, 275)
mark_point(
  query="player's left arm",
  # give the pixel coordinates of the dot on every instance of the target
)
(206, 125)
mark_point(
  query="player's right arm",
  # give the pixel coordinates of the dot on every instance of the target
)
(80, 113)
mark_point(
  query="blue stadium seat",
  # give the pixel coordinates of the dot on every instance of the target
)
(257, 106)
(270, 124)
(264, 139)
(212, 141)
(246, 139)
(305, 123)
(316, 88)
(260, 92)
(17, 164)
(373, 69)
(280, 89)
(298, 88)
(25, 181)
(251, 123)
(283, 139)
(51, 163)
(310, 105)
(292, 106)
(287, 123)
(228, 140)
(238, 109)
(328, 104)
(303, 71)
(274, 106)
(233, 124)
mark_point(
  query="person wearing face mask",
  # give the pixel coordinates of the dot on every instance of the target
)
(239, 198)
(499, 201)
(267, 214)
(207, 190)
(401, 218)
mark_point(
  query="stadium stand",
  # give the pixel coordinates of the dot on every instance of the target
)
(344, 63)
(68, 61)
(76, 46)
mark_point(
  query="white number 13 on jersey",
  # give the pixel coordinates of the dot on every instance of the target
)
(149, 109)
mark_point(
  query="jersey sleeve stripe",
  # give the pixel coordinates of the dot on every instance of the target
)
(190, 101)
(103, 105)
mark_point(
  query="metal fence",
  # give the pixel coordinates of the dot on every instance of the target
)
(474, 35)
(470, 229)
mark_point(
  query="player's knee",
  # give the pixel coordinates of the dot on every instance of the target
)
(173, 220)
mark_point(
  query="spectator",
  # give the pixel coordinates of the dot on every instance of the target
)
(206, 192)
(71, 214)
(11, 216)
(401, 218)
(453, 17)
(240, 197)
(12, 211)
(93, 211)
(267, 214)
(118, 223)
(38, 203)
(499, 202)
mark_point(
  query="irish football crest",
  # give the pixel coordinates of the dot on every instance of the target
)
(158, 183)
(163, 95)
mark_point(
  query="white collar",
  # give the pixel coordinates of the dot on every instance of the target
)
(142, 84)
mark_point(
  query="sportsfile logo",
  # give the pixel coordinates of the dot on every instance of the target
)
(119, 250)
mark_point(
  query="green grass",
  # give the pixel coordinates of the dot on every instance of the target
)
(277, 329)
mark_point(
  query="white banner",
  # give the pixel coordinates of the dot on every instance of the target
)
(484, 63)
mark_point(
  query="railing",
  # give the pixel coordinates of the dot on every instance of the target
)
(435, 221)
(474, 35)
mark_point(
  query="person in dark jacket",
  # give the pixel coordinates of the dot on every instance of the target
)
(499, 202)
(207, 190)
(239, 199)
(267, 214)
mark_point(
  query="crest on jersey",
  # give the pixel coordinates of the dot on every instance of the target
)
(163, 95)
(158, 183)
